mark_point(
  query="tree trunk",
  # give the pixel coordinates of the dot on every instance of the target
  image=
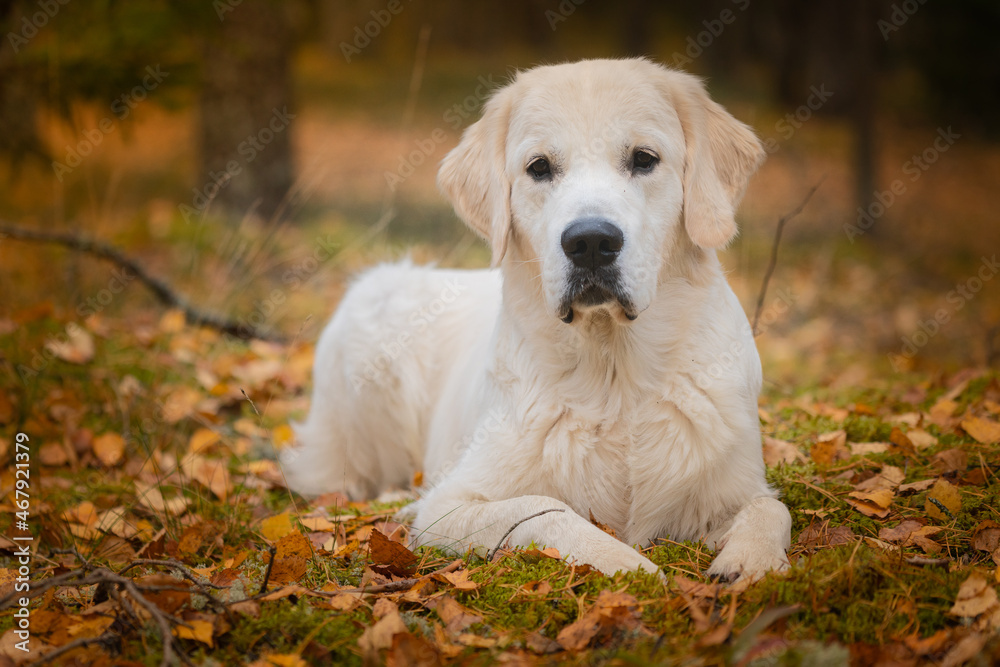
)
(246, 113)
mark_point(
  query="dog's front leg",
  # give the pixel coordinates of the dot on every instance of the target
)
(457, 524)
(755, 542)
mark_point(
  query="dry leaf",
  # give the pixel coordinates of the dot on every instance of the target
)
(390, 558)
(921, 439)
(201, 440)
(604, 527)
(285, 660)
(862, 448)
(109, 448)
(901, 443)
(975, 596)
(986, 537)
(456, 617)
(945, 494)
(950, 460)
(460, 580)
(830, 447)
(199, 630)
(76, 348)
(982, 429)
(888, 478)
(914, 487)
(611, 612)
(275, 527)
(821, 535)
(778, 451)
(875, 504)
(409, 650)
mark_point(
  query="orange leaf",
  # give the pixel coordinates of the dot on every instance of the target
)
(983, 430)
(109, 448)
(390, 557)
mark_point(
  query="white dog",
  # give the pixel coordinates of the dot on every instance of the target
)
(605, 369)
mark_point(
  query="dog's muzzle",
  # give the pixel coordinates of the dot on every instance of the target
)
(592, 245)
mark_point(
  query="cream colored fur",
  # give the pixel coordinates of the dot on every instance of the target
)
(472, 377)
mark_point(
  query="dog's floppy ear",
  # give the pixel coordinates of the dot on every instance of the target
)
(721, 154)
(474, 177)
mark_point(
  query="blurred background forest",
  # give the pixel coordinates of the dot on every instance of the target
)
(256, 154)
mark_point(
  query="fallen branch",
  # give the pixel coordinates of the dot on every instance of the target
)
(774, 254)
(89, 575)
(107, 640)
(493, 552)
(160, 288)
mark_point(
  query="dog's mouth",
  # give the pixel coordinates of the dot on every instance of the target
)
(591, 289)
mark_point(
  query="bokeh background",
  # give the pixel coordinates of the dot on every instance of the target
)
(257, 154)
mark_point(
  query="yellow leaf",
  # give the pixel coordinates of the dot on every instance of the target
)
(286, 660)
(975, 597)
(318, 523)
(200, 631)
(275, 527)
(983, 430)
(172, 321)
(282, 436)
(201, 440)
(874, 504)
(76, 347)
(109, 448)
(943, 493)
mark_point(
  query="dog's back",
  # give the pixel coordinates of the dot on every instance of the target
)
(398, 332)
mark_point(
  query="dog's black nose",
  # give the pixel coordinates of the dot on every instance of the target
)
(591, 243)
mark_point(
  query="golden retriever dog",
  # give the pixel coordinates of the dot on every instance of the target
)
(573, 377)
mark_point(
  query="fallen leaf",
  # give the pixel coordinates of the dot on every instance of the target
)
(152, 498)
(975, 596)
(611, 612)
(275, 527)
(966, 649)
(830, 447)
(389, 557)
(779, 451)
(921, 439)
(168, 601)
(875, 504)
(77, 347)
(889, 477)
(408, 650)
(914, 487)
(460, 580)
(943, 494)
(109, 448)
(950, 460)
(202, 440)
(862, 448)
(52, 454)
(986, 537)
(536, 588)
(821, 535)
(199, 630)
(455, 617)
(901, 443)
(982, 429)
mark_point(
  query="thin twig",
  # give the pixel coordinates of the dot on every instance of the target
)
(774, 253)
(107, 640)
(267, 574)
(160, 288)
(493, 552)
(395, 586)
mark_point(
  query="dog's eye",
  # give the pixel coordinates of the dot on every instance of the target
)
(540, 169)
(643, 161)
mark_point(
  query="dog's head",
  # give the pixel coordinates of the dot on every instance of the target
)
(602, 178)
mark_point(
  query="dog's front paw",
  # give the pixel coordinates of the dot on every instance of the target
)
(748, 560)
